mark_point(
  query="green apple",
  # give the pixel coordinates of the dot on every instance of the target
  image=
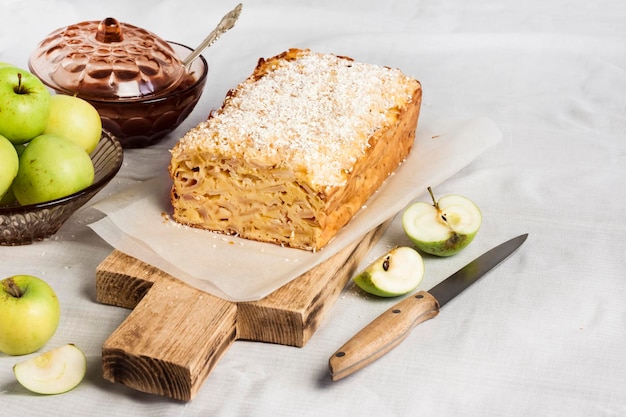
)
(76, 119)
(8, 198)
(6, 64)
(51, 167)
(9, 163)
(397, 272)
(29, 314)
(444, 227)
(54, 372)
(24, 105)
(19, 148)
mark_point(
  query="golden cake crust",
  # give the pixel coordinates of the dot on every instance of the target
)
(296, 149)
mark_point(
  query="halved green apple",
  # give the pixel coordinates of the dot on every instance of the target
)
(444, 227)
(53, 372)
(397, 272)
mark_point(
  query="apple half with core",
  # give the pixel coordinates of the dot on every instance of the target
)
(25, 104)
(54, 372)
(397, 272)
(29, 314)
(444, 227)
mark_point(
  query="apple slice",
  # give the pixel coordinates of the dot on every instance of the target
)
(444, 227)
(397, 272)
(53, 372)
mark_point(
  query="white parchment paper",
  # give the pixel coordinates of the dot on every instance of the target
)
(137, 221)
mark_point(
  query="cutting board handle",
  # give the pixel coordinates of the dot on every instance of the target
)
(157, 349)
(176, 334)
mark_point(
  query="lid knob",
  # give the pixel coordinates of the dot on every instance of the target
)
(109, 31)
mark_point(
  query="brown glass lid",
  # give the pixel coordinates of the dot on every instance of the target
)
(107, 60)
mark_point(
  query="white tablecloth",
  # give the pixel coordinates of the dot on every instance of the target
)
(544, 334)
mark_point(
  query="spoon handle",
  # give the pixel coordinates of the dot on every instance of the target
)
(227, 22)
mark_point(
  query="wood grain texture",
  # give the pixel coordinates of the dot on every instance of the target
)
(176, 333)
(292, 314)
(171, 341)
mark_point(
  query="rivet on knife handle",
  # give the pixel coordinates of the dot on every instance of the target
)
(383, 334)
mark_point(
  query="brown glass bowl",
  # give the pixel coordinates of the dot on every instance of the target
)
(139, 122)
(22, 225)
(144, 122)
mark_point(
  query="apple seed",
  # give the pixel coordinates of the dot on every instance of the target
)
(386, 263)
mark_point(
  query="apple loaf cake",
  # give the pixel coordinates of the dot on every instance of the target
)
(296, 149)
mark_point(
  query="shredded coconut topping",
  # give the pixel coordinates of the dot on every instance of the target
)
(314, 113)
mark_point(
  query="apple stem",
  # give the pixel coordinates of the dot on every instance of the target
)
(18, 89)
(12, 288)
(430, 191)
(436, 204)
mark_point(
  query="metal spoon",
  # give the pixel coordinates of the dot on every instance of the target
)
(227, 22)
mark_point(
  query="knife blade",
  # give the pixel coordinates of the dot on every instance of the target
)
(394, 325)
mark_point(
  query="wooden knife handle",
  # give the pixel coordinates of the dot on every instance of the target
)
(382, 334)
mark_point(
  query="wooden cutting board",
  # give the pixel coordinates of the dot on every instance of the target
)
(176, 334)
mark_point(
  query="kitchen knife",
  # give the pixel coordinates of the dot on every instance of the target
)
(394, 325)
